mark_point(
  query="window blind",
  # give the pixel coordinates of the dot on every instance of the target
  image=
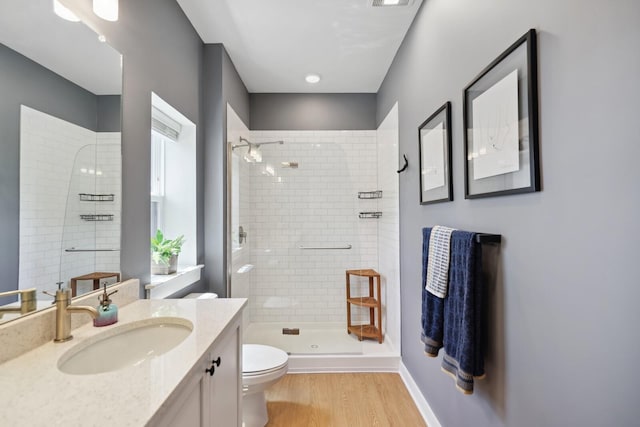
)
(165, 125)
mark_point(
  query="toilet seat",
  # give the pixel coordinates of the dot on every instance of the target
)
(265, 372)
(260, 359)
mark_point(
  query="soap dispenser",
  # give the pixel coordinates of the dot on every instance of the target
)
(107, 312)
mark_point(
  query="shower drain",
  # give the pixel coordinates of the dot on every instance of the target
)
(314, 346)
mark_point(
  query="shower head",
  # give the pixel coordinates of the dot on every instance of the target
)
(245, 142)
(254, 153)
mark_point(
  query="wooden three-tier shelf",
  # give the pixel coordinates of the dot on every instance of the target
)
(373, 329)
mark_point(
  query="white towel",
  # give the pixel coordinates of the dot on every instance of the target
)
(438, 266)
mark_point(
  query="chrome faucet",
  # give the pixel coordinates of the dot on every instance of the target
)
(28, 301)
(63, 313)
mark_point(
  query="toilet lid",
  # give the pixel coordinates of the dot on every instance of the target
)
(259, 358)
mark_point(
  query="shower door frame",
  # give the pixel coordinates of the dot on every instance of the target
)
(228, 211)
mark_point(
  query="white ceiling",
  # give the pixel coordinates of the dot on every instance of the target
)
(69, 49)
(275, 43)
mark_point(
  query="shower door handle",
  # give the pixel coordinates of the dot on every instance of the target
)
(242, 235)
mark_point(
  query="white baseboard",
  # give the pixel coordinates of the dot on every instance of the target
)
(418, 397)
(299, 364)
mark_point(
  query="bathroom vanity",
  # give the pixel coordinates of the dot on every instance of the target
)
(194, 380)
(211, 394)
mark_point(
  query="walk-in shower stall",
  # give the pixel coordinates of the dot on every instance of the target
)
(305, 206)
(70, 203)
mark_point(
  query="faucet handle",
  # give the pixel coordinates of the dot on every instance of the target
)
(60, 293)
(55, 298)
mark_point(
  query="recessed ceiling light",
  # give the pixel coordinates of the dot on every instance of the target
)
(312, 78)
(63, 12)
(391, 2)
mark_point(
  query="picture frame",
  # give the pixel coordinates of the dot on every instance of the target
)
(500, 120)
(434, 147)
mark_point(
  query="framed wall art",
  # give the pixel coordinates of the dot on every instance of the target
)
(501, 124)
(434, 136)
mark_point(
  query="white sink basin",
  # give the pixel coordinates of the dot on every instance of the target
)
(126, 345)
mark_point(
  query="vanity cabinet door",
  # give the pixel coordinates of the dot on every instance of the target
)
(206, 399)
(189, 408)
(225, 385)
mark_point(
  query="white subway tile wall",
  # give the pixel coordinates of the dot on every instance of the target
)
(58, 161)
(315, 204)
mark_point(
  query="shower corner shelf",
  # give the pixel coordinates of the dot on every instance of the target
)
(97, 217)
(87, 197)
(374, 215)
(370, 194)
(373, 329)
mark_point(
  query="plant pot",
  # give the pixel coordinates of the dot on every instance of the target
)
(165, 269)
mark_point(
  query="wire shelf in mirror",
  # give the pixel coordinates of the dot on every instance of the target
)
(87, 197)
(97, 217)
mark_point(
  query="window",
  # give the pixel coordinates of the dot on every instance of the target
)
(173, 178)
(164, 130)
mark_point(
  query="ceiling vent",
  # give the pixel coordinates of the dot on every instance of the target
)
(389, 3)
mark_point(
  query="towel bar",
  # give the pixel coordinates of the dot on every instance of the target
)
(325, 247)
(488, 238)
(91, 250)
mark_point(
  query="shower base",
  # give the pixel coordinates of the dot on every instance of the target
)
(324, 347)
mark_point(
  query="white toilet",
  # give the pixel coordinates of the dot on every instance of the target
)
(262, 366)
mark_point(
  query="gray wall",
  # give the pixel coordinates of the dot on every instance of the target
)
(161, 53)
(109, 113)
(23, 81)
(313, 111)
(563, 345)
(221, 85)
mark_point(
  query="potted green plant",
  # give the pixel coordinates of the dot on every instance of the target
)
(164, 253)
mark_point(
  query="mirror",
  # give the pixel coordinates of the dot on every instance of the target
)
(60, 157)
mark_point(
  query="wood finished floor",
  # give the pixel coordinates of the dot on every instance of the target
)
(341, 400)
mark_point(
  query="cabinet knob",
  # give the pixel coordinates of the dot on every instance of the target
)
(214, 363)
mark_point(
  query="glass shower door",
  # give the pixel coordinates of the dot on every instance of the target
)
(299, 208)
(89, 251)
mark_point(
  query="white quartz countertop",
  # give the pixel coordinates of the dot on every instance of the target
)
(35, 393)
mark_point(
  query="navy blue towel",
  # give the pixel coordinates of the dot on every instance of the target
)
(432, 306)
(457, 320)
